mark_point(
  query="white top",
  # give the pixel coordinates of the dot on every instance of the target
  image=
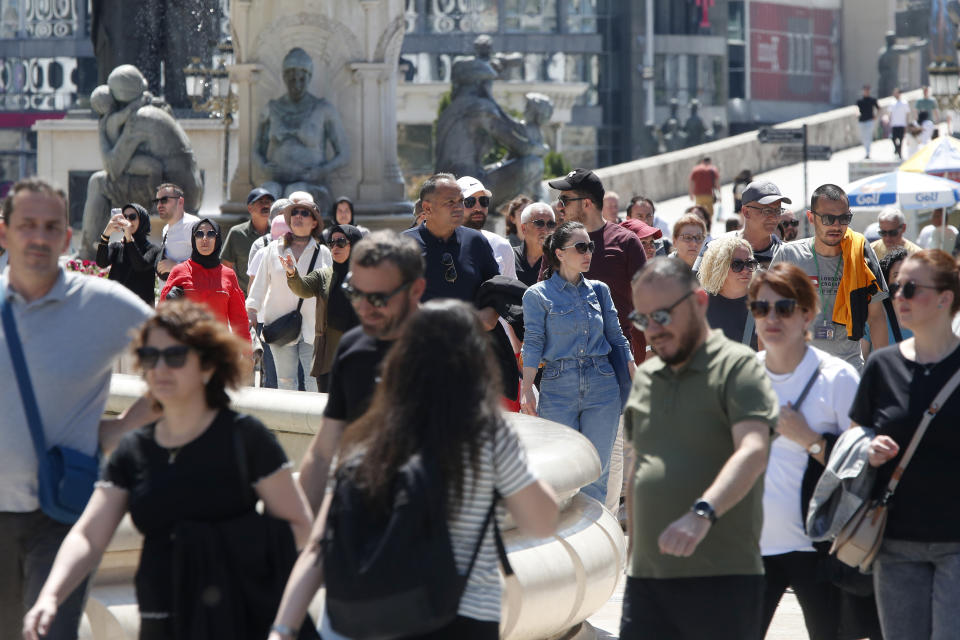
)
(930, 237)
(664, 226)
(177, 244)
(255, 247)
(503, 253)
(899, 112)
(270, 296)
(826, 410)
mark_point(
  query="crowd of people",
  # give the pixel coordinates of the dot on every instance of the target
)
(713, 375)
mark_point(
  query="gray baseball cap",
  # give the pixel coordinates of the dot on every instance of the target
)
(762, 192)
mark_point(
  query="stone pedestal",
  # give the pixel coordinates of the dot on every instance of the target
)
(354, 47)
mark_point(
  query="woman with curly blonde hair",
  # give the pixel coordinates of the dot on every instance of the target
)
(725, 272)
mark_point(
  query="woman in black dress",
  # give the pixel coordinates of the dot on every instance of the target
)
(131, 260)
(190, 481)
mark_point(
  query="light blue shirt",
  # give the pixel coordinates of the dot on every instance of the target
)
(569, 321)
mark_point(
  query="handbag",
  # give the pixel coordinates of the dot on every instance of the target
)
(65, 476)
(859, 540)
(286, 328)
(621, 367)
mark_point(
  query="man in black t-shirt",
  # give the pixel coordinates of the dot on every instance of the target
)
(385, 285)
(869, 107)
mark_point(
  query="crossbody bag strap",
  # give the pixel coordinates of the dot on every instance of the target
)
(596, 292)
(806, 388)
(22, 375)
(748, 329)
(928, 417)
(498, 538)
(313, 261)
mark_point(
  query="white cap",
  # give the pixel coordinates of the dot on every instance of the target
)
(470, 185)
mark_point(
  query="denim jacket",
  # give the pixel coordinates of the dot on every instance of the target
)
(566, 321)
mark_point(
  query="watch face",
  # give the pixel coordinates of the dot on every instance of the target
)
(815, 448)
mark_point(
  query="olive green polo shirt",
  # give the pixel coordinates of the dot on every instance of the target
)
(679, 423)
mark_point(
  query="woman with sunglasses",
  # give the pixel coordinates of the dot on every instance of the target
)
(203, 279)
(571, 326)
(200, 468)
(689, 234)
(916, 574)
(725, 272)
(131, 260)
(273, 299)
(784, 302)
(334, 313)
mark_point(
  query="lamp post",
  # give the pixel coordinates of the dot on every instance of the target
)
(211, 92)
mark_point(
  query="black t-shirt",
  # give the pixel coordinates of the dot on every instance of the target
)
(354, 374)
(892, 396)
(867, 105)
(526, 273)
(730, 316)
(201, 481)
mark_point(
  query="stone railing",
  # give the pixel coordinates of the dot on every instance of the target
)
(559, 581)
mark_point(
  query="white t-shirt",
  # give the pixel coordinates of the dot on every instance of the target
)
(930, 237)
(177, 245)
(899, 113)
(503, 253)
(826, 410)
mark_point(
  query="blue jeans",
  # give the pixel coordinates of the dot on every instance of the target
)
(287, 358)
(269, 368)
(584, 394)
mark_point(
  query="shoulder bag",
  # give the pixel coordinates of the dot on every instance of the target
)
(286, 328)
(621, 367)
(859, 540)
(65, 476)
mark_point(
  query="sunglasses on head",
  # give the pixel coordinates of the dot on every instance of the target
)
(472, 200)
(830, 220)
(908, 289)
(790, 223)
(737, 265)
(783, 308)
(582, 247)
(450, 270)
(339, 242)
(304, 213)
(540, 224)
(200, 234)
(661, 316)
(174, 357)
(893, 233)
(163, 200)
(377, 300)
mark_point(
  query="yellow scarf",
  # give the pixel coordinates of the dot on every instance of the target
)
(856, 275)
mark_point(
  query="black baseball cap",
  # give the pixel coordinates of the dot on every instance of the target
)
(258, 193)
(583, 180)
(762, 192)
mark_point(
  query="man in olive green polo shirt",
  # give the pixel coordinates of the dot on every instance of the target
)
(699, 421)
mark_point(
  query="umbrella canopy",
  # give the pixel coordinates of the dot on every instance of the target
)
(912, 191)
(937, 156)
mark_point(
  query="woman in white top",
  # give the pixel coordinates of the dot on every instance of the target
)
(784, 303)
(271, 297)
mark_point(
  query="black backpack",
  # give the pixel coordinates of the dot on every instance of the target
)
(393, 574)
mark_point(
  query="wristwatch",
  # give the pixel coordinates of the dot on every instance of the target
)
(704, 509)
(816, 447)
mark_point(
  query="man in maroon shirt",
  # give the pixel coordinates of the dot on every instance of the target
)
(705, 184)
(619, 253)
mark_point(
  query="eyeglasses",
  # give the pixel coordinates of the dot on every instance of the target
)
(472, 200)
(908, 289)
(200, 234)
(738, 265)
(163, 200)
(661, 316)
(893, 233)
(303, 213)
(782, 308)
(174, 357)
(339, 242)
(131, 216)
(688, 237)
(450, 270)
(540, 223)
(376, 300)
(583, 247)
(790, 223)
(769, 212)
(563, 201)
(830, 220)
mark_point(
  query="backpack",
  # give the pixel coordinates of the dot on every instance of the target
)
(392, 574)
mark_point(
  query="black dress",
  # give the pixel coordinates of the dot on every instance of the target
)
(132, 263)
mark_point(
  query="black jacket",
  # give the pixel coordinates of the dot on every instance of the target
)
(132, 263)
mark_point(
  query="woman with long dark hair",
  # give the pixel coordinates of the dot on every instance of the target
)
(131, 260)
(439, 391)
(570, 325)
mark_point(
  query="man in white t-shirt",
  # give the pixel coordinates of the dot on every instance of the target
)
(899, 113)
(176, 247)
(936, 236)
(476, 201)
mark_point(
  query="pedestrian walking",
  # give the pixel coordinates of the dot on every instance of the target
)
(131, 260)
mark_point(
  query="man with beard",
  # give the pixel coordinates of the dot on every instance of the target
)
(176, 246)
(789, 226)
(384, 285)
(846, 273)
(476, 203)
(702, 559)
(236, 248)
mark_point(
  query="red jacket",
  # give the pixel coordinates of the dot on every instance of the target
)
(217, 288)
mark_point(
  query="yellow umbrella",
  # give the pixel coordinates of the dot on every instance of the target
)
(939, 157)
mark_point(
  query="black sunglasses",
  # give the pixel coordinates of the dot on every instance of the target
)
(783, 308)
(450, 270)
(908, 289)
(893, 233)
(339, 242)
(304, 213)
(164, 199)
(175, 357)
(661, 316)
(583, 247)
(564, 201)
(200, 234)
(540, 224)
(472, 200)
(737, 265)
(790, 223)
(377, 300)
(131, 216)
(830, 220)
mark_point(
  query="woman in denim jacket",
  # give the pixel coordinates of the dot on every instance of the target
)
(570, 325)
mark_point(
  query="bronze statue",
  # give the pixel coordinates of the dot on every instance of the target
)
(290, 151)
(141, 146)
